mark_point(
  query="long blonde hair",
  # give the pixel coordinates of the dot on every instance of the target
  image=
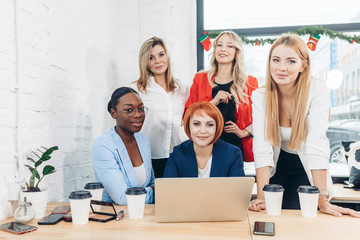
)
(238, 88)
(145, 73)
(299, 126)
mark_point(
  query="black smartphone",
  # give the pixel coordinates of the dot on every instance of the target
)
(51, 219)
(264, 228)
(18, 228)
(61, 210)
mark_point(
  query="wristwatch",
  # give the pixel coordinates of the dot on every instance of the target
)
(324, 193)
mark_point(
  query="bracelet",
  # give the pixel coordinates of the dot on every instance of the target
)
(324, 193)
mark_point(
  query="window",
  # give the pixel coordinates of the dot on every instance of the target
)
(329, 54)
(234, 14)
(358, 82)
(353, 85)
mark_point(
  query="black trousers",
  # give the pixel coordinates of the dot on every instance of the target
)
(159, 166)
(290, 173)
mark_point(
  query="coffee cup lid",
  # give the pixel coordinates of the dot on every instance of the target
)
(273, 188)
(308, 189)
(80, 194)
(135, 191)
(94, 185)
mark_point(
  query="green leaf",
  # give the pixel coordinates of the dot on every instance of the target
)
(54, 148)
(34, 172)
(30, 159)
(50, 151)
(47, 153)
(38, 163)
(29, 167)
(44, 158)
(32, 181)
(48, 169)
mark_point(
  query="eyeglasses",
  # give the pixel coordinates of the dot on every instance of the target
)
(130, 112)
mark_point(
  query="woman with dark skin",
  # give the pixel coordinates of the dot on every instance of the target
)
(122, 156)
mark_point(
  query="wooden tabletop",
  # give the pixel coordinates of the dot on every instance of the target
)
(289, 225)
(145, 229)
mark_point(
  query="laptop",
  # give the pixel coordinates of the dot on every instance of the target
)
(202, 199)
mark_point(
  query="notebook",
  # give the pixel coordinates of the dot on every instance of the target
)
(202, 199)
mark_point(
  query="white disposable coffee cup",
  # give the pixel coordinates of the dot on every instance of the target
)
(308, 196)
(135, 197)
(79, 203)
(96, 190)
(273, 198)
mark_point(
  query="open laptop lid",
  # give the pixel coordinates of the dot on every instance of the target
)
(202, 199)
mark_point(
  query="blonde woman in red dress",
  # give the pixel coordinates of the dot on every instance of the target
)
(227, 86)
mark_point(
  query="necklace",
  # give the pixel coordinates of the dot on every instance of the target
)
(289, 116)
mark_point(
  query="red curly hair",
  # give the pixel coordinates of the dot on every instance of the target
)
(209, 109)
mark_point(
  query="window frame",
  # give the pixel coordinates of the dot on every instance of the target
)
(256, 32)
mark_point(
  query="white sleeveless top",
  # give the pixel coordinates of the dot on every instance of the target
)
(285, 134)
(140, 173)
(205, 173)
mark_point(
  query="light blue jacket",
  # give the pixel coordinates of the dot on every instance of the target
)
(114, 169)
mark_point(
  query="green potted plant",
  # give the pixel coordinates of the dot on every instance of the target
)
(38, 197)
(48, 169)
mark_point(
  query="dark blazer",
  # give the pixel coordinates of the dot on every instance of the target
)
(227, 161)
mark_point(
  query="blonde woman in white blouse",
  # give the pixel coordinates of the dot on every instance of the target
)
(165, 97)
(290, 119)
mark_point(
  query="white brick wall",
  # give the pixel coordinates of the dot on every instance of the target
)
(7, 102)
(67, 57)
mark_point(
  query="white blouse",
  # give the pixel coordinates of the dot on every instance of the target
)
(315, 151)
(163, 120)
(285, 134)
(205, 172)
(140, 173)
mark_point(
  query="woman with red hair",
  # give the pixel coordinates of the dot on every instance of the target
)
(204, 154)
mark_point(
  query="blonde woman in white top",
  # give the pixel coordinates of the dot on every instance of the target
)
(165, 97)
(290, 120)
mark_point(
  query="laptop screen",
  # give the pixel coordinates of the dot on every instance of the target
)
(202, 199)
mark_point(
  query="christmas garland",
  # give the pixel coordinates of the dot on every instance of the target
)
(306, 30)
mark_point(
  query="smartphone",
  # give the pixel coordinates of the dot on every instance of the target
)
(51, 219)
(67, 218)
(18, 228)
(61, 209)
(264, 228)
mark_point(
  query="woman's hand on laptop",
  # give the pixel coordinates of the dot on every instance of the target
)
(257, 205)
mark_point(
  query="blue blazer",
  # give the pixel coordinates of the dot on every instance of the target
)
(227, 161)
(114, 169)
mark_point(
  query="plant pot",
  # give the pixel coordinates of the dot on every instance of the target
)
(38, 200)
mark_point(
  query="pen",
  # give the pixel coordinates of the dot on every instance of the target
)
(120, 215)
